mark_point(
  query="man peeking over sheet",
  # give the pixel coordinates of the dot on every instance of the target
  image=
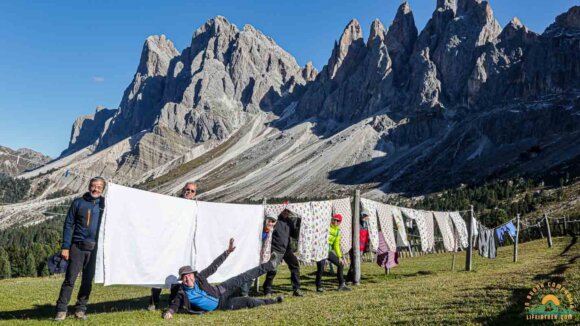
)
(196, 295)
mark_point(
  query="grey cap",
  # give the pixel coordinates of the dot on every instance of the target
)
(365, 212)
(271, 216)
(185, 270)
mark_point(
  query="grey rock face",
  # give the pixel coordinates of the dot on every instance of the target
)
(87, 129)
(14, 162)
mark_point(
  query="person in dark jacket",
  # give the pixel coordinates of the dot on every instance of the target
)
(363, 243)
(285, 229)
(196, 295)
(189, 191)
(79, 243)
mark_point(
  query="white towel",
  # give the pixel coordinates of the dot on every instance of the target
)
(425, 225)
(460, 227)
(402, 235)
(319, 228)
(446, 229)
(145, 237)
(387, 228)
(216, 224)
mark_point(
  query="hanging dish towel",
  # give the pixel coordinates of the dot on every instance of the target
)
(387, 227)
(425, 224)
(460, 227)
(446, 229)
(371, 206)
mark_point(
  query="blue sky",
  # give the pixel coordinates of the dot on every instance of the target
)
(60, 59)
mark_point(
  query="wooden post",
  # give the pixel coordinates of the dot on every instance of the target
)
(410, 239)
(565, 224)
(453, 263)
(257, 281)
(470, 226)
(517, 237)
(548, 230)
(356, 254)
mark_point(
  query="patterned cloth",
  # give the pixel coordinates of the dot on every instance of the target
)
(460, 227)
(402, 235)
(344, 208)
(425, 225)
(371, 206)
(446, 229)
(322, 214)
(266, 250)
(386, 222)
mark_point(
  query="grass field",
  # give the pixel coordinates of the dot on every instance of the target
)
(421, 290)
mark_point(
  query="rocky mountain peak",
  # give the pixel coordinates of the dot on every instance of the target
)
(569, 19)
(155, 57)
(401, 37)
(309, 72)
(349, 45)
(443, 5)
(377, 33)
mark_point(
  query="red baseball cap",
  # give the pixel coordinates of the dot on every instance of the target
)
(338, 217)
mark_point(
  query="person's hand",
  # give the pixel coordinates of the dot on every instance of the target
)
(65, 254)
(231, 247)
(167, 315)
(343, 261)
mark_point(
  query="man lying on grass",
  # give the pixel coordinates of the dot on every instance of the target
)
(196, 295)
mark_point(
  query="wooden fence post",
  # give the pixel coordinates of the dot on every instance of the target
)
(356, 254)
(517, 237)
(565, 224)
(470, 226)
(548, 230)
(257, 282)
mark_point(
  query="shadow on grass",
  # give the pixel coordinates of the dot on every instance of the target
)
(44, 312)
(513, 312)
(571, 244)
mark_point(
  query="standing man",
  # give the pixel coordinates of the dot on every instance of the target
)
(79, 247)
(189, 191)
(284, 230)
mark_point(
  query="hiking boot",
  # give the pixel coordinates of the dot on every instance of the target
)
(343, 287)
(60, 316)
(81, 315)
(152, 307)
(320, 289)
(279, 299)
(298, 293)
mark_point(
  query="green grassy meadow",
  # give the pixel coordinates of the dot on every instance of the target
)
(421, 290)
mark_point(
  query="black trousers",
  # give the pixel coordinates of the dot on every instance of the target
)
(350, 274)
(155, 296)
(333, 258)
(294, 267)
(228, 301)
(79, 260)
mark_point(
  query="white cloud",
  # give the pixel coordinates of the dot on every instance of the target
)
(98, 79)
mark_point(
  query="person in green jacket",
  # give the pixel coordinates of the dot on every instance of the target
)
(334, 256)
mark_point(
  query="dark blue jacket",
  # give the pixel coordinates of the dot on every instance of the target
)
(83, 220)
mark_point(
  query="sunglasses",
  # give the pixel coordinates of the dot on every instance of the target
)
(191, 190)
(336, 220)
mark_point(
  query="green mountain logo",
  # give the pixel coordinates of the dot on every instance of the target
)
(550, 308)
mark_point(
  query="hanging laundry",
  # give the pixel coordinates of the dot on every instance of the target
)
(344, 208)
(386, 258)
(387, 228)
(274, 209)
(487, 242)
(144, 237)
(266, 251)
(402, 232)
(219, 222)
(446, 229)
(315, 229)
(474, 230)
(371, 206)
(508, 228)
(460, 227)
(425, 224)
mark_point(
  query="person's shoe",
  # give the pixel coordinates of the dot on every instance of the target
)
(343, 287)
(81, 315)
(320, 289)
(60, 316)
(268, 295)
(298, 293)
(152, 307)
(279, 299)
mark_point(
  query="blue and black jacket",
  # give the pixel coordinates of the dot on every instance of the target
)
(83, 220)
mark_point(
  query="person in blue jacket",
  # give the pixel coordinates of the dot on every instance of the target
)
(79, 243)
